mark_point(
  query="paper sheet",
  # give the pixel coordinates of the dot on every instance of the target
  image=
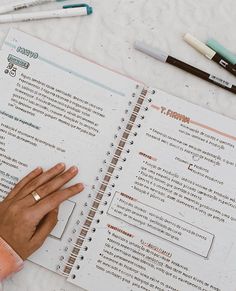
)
(170, 221)
(56, 107)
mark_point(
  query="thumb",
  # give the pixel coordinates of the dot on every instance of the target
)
(45, 227)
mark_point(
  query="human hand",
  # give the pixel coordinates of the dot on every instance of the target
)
(26, 223)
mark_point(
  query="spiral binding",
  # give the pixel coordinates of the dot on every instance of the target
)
(104, 184)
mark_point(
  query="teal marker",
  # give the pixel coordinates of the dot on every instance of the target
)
(225, 53)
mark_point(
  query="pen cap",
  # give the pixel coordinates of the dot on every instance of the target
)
(199, 46)
(88, 8)
(222, 51)
(152, 52)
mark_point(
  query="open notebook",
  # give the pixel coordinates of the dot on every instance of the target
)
(158, 211)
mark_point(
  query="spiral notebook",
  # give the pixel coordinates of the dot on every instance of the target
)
(158, 211)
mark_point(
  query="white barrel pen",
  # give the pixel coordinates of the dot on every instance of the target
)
(67, 11)
(23, 4)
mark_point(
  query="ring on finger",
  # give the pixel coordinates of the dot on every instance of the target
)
(36, 196)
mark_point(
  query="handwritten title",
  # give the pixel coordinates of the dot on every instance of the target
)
(173, 114)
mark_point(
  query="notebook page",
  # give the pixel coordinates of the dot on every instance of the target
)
(56, 107)
(170, 221)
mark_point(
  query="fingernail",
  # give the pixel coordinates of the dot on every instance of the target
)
(73, 169)
(60, 166)
(81, 186)
(38, 169)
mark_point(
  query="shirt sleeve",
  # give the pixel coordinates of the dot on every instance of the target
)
(10, 262)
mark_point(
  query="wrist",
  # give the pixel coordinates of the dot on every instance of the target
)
(10, 261)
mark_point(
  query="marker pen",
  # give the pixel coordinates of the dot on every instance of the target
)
(225, 53)
(165, 58)
(209, 53)
(67, 11)
(23, 4)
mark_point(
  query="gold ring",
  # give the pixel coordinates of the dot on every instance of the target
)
(36, 196)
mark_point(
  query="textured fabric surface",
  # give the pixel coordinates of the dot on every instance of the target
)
(107, 37)
(10, 262)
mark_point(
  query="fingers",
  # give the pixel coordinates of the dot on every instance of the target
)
(40, 180)
(34, 174)
(52, 186)
(46, 226)
(53, 201)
